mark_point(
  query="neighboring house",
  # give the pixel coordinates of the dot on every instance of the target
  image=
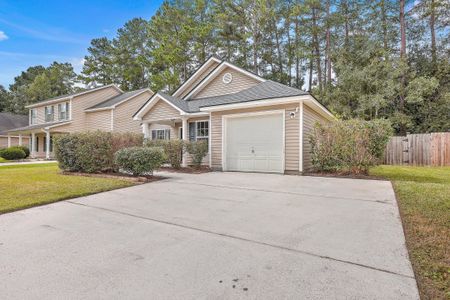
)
(9, 121)
(251, 124)
(105, 108)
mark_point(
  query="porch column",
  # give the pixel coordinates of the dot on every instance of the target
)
(145, 130)
(9, 141)
(20, 139)
(47, 144)
(185, 129)
(33, 145)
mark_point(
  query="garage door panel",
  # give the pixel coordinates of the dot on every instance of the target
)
(255, 143)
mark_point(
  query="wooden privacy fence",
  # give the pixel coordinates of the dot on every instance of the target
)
(427, 149)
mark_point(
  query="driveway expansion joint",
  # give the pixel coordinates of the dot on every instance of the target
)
(287, 193)
(243, 239)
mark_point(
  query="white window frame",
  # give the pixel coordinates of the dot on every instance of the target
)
(49, 117)
(63, 108)
(206, 128)
(160, 133)
(33, 116)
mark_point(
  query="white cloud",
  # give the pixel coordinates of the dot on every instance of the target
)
(3, 36)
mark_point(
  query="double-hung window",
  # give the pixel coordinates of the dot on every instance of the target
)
(49, 113)
(63, 110)
(33, 116)
(202, 128)
(199, 131)
(161, 134)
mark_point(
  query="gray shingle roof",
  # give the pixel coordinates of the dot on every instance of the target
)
(37, 126)
(264, 90)
(10, 121)
(115, 100)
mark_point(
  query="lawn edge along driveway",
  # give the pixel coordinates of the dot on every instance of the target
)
(424, 204)
(25, 186)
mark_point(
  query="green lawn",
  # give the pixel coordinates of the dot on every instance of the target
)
(423, 194)
(2, 160)
(29, 185)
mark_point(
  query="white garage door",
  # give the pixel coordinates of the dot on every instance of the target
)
(254, 143)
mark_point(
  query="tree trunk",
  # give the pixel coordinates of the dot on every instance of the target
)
(346, 26)
(310, 70)
(402, 29)
(328, 46)
(384, 28)
(317, 49)
(297, 60)
(433, 35)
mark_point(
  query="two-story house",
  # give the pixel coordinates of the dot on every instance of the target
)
(105, 108)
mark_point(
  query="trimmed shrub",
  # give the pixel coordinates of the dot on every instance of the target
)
(349, 146)
(92, 151)
(139, 160)
(173, 149)
(65, 149)
(198, 150)
(12, 153)
(25, 149)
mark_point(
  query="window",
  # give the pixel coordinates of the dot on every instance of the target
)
(202, 130)
(63, 109)
(32, 116)
(49, 113)
(161, 134)
(199, 131)
(37, 144)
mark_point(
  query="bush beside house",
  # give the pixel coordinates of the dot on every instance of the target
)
(13, 153)
(139, 160)
(198, 150)
(92, 152)
(349, 146)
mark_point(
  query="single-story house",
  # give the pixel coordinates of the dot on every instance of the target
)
(9, 121)
(251, 124)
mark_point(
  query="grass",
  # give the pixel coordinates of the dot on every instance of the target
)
(2, 160)
(23, 186)
(423, 194)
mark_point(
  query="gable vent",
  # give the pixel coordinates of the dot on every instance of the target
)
(227, 78)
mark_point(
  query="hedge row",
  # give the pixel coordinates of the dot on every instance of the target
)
(349, 146)
(92, 152)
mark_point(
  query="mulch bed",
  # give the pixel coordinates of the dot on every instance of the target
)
(188, 170)
(138, 179)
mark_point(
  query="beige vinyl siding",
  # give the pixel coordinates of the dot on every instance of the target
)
(291, 135)
(198, 78)
(80, 103)
(40, 112)
(216, 86)
(123, 114)
(80, 119)
(310, 118)
(99, 120)
(161, 111)
(14, 141)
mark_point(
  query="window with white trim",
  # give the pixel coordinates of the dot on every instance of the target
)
(49, 113)
(32, 116)
(199, 130)
(63, 110)
(161, 134)
(202, 130)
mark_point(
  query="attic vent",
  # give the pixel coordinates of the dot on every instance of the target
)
(227, 78)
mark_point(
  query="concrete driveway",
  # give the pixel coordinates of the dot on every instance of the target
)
(209, 236)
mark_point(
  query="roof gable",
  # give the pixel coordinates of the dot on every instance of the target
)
(119, 99)
(203, 71)
(216, 76)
